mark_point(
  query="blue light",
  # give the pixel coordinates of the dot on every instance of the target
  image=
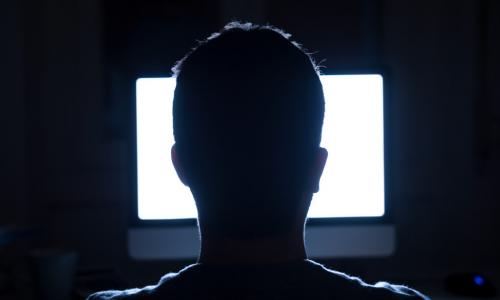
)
(478, 280)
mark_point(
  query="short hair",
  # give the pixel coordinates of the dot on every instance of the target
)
(247, 115)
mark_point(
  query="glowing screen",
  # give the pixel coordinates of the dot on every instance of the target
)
(352, 184)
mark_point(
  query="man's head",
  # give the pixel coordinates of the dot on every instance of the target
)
(248, 112)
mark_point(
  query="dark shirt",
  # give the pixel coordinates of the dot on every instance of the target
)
(298, 280)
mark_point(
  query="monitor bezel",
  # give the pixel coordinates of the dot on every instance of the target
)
(387, 218)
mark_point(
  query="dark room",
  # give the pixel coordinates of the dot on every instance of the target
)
(145, 151)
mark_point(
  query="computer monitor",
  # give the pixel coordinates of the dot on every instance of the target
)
(347, 217)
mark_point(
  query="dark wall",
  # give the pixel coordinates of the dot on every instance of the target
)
(13, 117)
(65, 157)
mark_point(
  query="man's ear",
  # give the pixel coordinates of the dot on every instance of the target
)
(179, 168)
(317, 168)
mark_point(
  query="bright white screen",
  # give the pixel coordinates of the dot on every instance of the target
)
(352, 184)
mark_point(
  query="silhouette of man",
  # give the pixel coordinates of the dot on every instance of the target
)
(248, 112)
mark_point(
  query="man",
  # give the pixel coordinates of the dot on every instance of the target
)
(248, 112)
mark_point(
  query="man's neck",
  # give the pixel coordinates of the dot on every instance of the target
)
(268, 250)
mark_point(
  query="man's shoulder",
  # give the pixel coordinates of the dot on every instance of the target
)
(145, 293)
(310, 281)
(355, 288)
(129, 294)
